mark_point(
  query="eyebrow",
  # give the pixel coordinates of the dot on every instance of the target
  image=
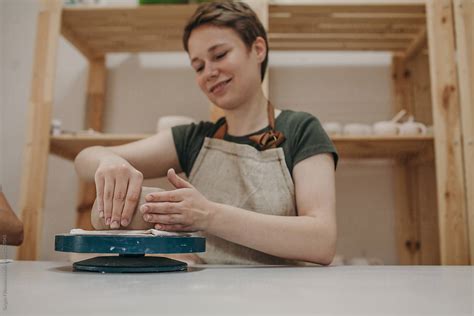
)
(212, 48)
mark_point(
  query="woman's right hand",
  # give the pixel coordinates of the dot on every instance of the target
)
(118, 187)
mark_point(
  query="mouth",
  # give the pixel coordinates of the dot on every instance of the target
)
(219, 86)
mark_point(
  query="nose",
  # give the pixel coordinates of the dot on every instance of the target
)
(212, 72)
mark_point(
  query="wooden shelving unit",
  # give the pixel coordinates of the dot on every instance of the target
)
(434, 213)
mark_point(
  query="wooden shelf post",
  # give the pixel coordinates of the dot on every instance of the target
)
(447, 131)
(416, 213)
(94, 119)
(36, 149)
(407, 219)
(464, 21)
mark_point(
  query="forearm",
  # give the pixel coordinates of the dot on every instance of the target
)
(87, 161)
(303, 238)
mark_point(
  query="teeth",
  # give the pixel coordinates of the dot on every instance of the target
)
(219, 85)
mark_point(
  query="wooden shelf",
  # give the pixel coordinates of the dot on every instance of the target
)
(96, 31)
(383, 147)
(69, 145)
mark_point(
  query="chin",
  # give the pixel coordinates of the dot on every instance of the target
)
(224, 103)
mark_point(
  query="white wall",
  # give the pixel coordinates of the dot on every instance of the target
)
(141, 88)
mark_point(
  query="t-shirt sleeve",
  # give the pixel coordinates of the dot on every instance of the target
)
(311, 139)
(188, 140)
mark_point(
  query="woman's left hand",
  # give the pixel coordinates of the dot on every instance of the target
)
(183, 209)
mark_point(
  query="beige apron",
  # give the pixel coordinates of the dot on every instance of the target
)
(242, 176)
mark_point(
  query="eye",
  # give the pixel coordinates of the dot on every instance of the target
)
(199, 69)
(220, 56)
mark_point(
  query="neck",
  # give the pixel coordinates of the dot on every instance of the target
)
(249, 117)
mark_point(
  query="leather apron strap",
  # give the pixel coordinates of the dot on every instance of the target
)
(265, 140)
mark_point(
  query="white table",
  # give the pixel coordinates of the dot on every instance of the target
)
(51, 288)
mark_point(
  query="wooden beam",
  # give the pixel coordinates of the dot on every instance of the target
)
(402, 92)
(374, 6)
(341, 36)
(417, 44)
(423, 169)
(407, 217)
(36, 147)
(405, 181)
(96, 85)
(94, 119)
(464, 19)
(418, 73)
(427, 209)
(342, 46)
(447, 132)
(80, 45)
(310, 19)
(335, 28)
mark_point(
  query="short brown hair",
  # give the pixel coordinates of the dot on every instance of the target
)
(235, 15)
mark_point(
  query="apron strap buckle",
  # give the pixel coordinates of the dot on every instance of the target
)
(267, 140)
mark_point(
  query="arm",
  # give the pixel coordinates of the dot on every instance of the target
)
(118, 173)
(311, 236)
(152, 156)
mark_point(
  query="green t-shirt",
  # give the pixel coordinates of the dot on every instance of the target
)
(305, 137)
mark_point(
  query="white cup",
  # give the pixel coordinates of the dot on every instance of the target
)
(56, 127)
(386, 128)
(357, 129)
(412, 128)
(167, 122)
(332, 128)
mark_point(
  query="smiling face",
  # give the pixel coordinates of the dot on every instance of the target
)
(226, 70)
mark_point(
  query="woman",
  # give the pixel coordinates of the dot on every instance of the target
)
(261, 180)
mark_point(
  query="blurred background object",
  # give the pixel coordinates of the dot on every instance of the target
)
(11, 228)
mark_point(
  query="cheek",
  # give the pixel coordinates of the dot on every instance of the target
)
(200, 82)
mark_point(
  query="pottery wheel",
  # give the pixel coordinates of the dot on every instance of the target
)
(131, 252)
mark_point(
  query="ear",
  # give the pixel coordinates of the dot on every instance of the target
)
(260, 48)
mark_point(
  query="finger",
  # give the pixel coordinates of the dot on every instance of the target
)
(131, 200)
(161, 208)
(99, 189)
(165, 196)
(164, 218)
(109, 188)
(177, 181)
(118, 200)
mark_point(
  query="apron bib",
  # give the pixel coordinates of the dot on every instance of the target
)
(242, 176)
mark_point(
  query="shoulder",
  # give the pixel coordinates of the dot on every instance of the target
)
(297, 117)
(298, 121)
(200, 129)
(188, 140)
(305, 134)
